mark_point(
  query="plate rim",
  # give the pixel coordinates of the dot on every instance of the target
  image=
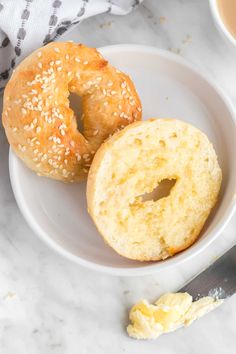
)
(152, 268)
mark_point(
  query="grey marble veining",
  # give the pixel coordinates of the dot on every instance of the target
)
(49, 305)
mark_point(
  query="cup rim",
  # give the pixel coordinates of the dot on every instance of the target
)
(220, 23)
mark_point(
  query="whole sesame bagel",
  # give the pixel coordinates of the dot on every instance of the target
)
(122, 188)
(40, 125)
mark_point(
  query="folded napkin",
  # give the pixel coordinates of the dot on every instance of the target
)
(28, 24)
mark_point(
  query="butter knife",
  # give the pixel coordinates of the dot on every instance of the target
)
(217, 281)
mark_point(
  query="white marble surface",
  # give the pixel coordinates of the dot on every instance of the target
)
(49, 305)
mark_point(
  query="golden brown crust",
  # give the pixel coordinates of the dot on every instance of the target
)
(132, 163)
(41, 127)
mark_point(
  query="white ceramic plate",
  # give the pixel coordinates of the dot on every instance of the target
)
(168, 87)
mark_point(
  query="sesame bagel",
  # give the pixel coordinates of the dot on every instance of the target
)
(39, 123)
(127, 169)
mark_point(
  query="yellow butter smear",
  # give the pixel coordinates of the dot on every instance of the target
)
(170, 312)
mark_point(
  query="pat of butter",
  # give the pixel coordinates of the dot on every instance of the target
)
(170, 312)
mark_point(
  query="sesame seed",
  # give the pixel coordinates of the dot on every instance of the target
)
(72, 143)
(57, 50)
(139, 109)
(78, 157)
(119, 106)
(113, 92)
(85, 62)
(55, 164)
(123, 84)
(110, 83)
(85, 156)
(35, 159)
(115, 114)
(104, 92)
(69, 73)
(57, 62)
(51, 63)
(105, 103)
(40, 65)
(14, 129)
(39, 54)
(122, 114)
(99, 78)
(95, 132)
(67, 57)
(38, 129)
(59, 68)
(35, 121)
(36, 151)
(77, 60)
(123, 92)
(23, 110)
(62, 132)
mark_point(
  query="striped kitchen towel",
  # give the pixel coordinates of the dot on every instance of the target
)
(28, 24)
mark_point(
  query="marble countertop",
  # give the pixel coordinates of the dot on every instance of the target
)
(49, 305)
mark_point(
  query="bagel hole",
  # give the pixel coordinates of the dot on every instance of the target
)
(162, 190)
(76, 106)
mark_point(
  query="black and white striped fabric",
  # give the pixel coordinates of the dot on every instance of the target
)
(28, 24)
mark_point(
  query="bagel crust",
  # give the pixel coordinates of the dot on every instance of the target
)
(132, 164)
(39, 123)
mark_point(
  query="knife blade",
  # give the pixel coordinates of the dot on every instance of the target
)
(218, 280)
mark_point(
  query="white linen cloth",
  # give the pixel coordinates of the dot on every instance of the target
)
(28, 24)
